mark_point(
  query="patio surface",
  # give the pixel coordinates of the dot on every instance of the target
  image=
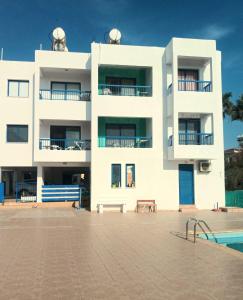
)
(59, 253)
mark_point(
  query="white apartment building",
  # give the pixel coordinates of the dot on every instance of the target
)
(123, 122)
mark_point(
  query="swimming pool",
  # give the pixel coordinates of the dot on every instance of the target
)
(233, 240)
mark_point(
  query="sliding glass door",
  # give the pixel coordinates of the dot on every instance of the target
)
(120, 135)
(65, 136)
(121, 86)
(188, 80)
(65, 91)
(189, 130)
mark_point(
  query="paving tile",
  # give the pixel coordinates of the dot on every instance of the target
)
(58, 253)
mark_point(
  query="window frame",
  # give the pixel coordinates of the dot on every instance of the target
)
(127, 165)
(17, 125)
(120, 166)
(19, 81)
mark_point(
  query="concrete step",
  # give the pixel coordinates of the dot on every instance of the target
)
(187, 208)
(14, 204)
(231, 209)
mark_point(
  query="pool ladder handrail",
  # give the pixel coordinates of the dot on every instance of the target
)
(198, 222)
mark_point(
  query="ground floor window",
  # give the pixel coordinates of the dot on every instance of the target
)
(115, 175)
(130, 175)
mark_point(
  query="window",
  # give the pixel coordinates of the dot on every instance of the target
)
(65, 90)
(17, 133)
(18, 88)
(115, 175)
(65, 136)
(130, 175)
(120, 135)
(122, 86)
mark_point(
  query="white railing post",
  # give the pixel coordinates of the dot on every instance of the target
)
(40, 182)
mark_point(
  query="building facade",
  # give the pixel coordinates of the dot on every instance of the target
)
(124, 122)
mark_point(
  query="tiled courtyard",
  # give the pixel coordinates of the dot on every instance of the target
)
(60, 253)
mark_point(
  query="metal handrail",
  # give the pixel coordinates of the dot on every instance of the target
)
(125, 90)
(187, 225)
(195, 138)
(52, 94)
(194, 85)
(199, 223)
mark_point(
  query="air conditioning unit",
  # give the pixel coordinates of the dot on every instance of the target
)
(205, 166)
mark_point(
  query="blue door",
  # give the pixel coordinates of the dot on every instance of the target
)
(186, 184)
(1, 192)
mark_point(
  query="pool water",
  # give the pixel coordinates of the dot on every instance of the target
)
(233, 240)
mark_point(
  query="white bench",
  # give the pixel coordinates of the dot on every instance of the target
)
(111, 202)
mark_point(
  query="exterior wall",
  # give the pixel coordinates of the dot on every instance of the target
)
(16, 111)
(156, 176)
(54, 66)
(156, 168)
(148, 162)
(29, 111)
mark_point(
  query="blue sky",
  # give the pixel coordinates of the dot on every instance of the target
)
(27, 23)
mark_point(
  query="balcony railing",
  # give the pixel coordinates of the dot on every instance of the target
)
(194, 85)
(73, 95)
(195, 138)
(125, 141)
(125, 90)
(26, 191)
(64, 144)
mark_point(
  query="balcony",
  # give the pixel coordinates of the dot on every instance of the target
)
(64, 144)
(125, 90)
(194, 74)
(73, 95)
(119, 132)
(124, 142)
(125, 81)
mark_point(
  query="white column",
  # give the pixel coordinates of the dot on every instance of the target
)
(40, 182)
(0, 174)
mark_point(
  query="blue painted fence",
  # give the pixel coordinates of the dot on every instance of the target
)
(1, 192)
(61, 193)
(234, 198)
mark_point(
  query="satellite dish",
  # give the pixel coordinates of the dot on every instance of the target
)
(115, 36)
(59, 40)
(58, 34)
